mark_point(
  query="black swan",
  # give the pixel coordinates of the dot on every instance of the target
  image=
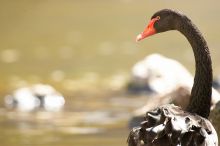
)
(169, 125)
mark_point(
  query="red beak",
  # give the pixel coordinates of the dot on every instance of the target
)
(148, 31)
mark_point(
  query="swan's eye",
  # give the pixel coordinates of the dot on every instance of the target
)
(158, 17)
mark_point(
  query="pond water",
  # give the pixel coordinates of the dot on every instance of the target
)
(92, 125)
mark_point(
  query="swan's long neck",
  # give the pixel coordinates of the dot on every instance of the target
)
(201, 92)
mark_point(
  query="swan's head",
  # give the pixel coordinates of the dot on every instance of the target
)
(161, 21)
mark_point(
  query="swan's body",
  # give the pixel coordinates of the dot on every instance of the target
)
(35, 97)
(170, 125)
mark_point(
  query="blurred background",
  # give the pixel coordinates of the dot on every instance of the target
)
(86, 51)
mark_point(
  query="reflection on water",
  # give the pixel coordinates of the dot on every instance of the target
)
(89, 122)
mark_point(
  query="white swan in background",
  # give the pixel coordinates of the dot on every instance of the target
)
(164, 75)
(160, 73)
(169, 80)
(39, 96)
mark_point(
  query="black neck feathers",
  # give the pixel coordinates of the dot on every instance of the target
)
(200, 101)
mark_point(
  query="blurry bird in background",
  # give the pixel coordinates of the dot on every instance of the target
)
(35, 97)
(164, 80)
